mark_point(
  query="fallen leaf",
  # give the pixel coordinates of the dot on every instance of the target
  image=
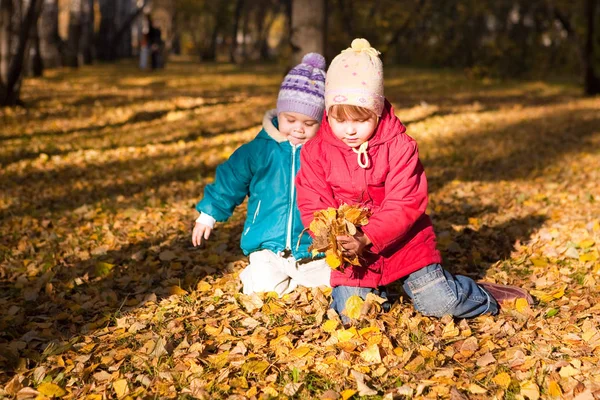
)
(502, 379)
(354, 306)
(371, 354)
(363, 388)
(476, 389)
(486, 359)
(329, 326)
(120, 387)
(51, 390)
(530, 390)
(348, 393)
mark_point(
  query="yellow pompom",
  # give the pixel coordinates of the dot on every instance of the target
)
(360, 44)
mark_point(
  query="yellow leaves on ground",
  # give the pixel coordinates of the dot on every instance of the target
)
(371, 354)
(103, 296)
(176, 290)
(547, 296)
(530, 390)
(328, 224)
(554, 390)
(522, 305)
(354, 306)
(476, 389)
(300, 352)
(347, 394)
(330, 326)
(120, 387)
(255, 366)
(51, 390)
(502, 379)
(345, 335)
(589, 256)
(203, 286)
(450, 330)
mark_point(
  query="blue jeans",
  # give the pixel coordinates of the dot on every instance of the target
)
(435, 292)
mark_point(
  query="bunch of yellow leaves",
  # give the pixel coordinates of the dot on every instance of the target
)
(330, 223)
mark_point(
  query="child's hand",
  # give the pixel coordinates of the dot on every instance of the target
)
(353, 245)
(200, 231)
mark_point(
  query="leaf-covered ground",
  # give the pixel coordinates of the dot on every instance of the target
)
(102, 295)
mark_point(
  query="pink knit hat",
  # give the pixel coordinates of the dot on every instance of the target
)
(355, 77)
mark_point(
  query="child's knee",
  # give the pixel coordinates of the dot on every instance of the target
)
(436, 306)
(431, 293)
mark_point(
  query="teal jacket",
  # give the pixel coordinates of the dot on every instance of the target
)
(264, 170)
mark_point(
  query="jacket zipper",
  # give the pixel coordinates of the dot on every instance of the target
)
(288, 239)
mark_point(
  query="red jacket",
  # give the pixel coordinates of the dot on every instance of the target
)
(394, 187)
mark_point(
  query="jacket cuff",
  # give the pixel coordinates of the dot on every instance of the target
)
(375, 248)
(206, 219)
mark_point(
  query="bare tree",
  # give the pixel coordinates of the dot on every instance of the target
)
(75, 28)
(585, 48)
(6, 12)
(591, 81)
(308, 28)
(86, 44)
(36, 65)
(11, 68)
(239, 6)
(50, 42)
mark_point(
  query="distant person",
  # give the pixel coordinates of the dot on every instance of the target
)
(264, 171)
(144, 52)
(362, 155)
(154, 43)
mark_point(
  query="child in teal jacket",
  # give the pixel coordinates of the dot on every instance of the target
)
(264, 170)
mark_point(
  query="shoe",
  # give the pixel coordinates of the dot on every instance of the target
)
(504, 293)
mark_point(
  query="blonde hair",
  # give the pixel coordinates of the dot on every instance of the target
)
(345, 112)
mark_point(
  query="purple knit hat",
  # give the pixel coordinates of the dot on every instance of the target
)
(303, 88)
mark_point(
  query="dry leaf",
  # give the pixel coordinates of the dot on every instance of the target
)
(330, 326)
(120, 387)
(354, 306)
(371, 354)
(476, 389)
(51, 389)
(347, 394)
(502, 379)
(530, 390)
(363, 389)
(554, 390)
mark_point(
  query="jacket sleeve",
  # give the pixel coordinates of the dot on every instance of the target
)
(231, 185)
(313, 193)
(405, 199)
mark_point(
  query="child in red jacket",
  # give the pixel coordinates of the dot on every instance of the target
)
(362, 155)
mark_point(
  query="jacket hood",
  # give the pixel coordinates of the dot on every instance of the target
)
(270, 128)
(388, 128)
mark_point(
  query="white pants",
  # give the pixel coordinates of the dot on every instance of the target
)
(269, 272)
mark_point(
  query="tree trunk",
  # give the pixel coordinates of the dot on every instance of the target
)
(124, 32)
(239, 5)
(35, 62)
(86, 45)
(245, 23)
(12, 88)
(308, 23)
(50, 41)
(108, 14)
(72, 56)
(591, 82)
(6, 11)
(210, 53)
